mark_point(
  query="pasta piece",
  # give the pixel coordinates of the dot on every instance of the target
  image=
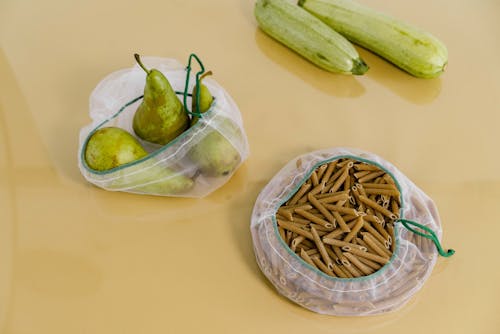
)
(369, 256)
(370, 176)
(321, 249)
(378, 250)
(298, 195)
(314, 218)
(290, 227)
(356, 228)
(361, 266)
(322, 209)
(307, 258)
(377, 207)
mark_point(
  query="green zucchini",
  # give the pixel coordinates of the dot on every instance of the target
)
(308, 36)
(413, 50)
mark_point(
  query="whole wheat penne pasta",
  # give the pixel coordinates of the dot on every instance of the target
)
(361, 188)
(390, 230)
(314, 178)
(301, 192)
(290, 227)
(342, 195)
(395, 207)
(388, 179)
(314, 218)
(369, 263)
(320, 171)
(374, 246)
(322, 209)
(368, 185)
(341, 222)
(378, 191)
(345, 271)
(288, 237)
(355, 229)
(300, 221)
(380, 218)
(370, 176)
(329, 171)
(321, 248)
(370, 256)
(362, 173)
(320, 228)
(356, 193)
(309, 243)
(341, 209)
(375, 233)
(331, 253)
(364, 166)
(338, 232)
(349, 218)
(370, 218)
(285, 213)
(314, 191)
(345, 161)
(312, 251)
(336, 269)
(334, 198)
(354, 272)
(358, 264)
(282, 232)
(360, 242)
(307, 258)
(347, 182)
(322, 266)
(377, 207)
(338, 183)
(296, 206)
(342, 258)
(296, 241)
(340, 243)
(380, 245)
(336, 175)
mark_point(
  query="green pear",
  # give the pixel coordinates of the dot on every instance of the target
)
(151, 178)
(111, 147)
(160, 117)
(205, 98)
(214, 154)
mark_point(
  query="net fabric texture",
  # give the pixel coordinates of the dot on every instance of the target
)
(387, 289)
(164, 170)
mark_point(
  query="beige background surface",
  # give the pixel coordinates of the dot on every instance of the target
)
(77, 259)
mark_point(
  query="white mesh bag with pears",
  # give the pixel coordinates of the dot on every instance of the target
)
(378, 291)
(194, 164)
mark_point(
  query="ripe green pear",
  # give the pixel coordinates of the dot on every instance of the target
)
(214, 154)
(205, 98)
(111, 147)
(160, 117)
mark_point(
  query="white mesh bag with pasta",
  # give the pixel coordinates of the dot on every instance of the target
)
(329, 233)
(172, 169)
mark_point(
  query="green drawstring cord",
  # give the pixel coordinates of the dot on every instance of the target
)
(431, 235)
(197, 97)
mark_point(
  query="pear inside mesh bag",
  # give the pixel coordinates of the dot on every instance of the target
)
(197, 162)
(387, 278)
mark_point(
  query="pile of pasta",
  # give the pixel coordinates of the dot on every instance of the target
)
(341, 219)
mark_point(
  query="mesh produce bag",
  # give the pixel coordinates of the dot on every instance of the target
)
(184, 167)
(415, 226)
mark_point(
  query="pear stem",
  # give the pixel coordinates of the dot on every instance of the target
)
(138, 59)
(206, 74)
